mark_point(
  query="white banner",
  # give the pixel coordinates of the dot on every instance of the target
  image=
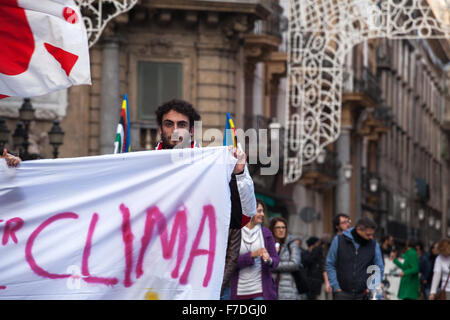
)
(44, 47)
(142, 225)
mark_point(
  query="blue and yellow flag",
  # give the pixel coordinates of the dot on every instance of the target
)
(122, 143)
(230, 138)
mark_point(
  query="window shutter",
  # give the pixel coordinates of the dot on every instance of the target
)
(157, 83)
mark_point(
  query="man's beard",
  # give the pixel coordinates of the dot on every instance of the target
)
(166, 143)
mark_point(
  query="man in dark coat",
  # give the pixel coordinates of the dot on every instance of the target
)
(312, 260)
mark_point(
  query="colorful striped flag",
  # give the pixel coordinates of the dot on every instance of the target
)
(122, 143)
(230, 137)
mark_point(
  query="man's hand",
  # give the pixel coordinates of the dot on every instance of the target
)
(242, 159)
(432, 297)
(11, 161)
(328, 288)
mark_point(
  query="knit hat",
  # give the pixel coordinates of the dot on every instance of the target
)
(311, 241)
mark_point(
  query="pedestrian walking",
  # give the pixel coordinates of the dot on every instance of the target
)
(391, 275)
(341, 223)
(252, 279)
(387, 244)
(326, 243)
(424, 271)
(409, 283)
(441, 271)
(349, 258)
(290, 260)
(313, 262)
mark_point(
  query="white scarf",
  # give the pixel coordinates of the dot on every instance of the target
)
(249, 281)
(252, 239)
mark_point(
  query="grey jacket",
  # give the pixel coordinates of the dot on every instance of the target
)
(289, 261)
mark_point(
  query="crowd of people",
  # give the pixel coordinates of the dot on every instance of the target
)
(351, 266)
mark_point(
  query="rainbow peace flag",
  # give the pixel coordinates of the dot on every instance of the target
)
(122, 142)
(230, 137)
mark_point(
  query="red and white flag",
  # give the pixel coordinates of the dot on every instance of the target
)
(44, 47)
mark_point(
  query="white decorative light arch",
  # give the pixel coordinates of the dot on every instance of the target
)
(97, 14)
(321, 33)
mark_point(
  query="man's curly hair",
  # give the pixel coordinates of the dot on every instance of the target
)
(180, 106)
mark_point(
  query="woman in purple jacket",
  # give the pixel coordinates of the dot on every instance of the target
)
(258, 257)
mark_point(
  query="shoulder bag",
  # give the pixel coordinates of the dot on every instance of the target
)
(441, 295)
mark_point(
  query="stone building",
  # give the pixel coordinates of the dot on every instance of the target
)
(390, 161)
(205, 52)
(411, 159)
(222, 56)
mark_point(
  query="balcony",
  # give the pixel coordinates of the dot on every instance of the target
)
(266, 36)
(364, 90)
(446, 116)
(323, 172)
(377, 122)
(260, 8)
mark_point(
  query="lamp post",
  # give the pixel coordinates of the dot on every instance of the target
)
(421, 214)
(56, 137)
(321, 156)
(403, 204)
(26, 115)
(348, 168)
(373, 184)
(4, 134)
(20, 135)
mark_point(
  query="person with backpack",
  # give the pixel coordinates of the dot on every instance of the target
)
(290, 260)
(351, 257)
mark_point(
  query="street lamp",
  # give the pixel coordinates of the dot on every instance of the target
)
(437, 224)
(321, 156)
(26, 112)
(373, 184)
(4, 134)
(431, 221)
(56, 137)
(402, 204)
(348, 171)
(19, 137)
(421, 214)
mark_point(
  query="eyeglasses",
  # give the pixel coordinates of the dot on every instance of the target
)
(346, 222)
(280, 228)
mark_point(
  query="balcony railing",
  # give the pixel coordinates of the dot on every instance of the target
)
(273, 25)
(326, 166)
(365, 82)
(266, 3)
(383, 113)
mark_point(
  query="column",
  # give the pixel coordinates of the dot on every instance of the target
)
(343, 187)
(110, 103)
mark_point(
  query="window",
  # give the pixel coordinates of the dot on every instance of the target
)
(157, 83)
